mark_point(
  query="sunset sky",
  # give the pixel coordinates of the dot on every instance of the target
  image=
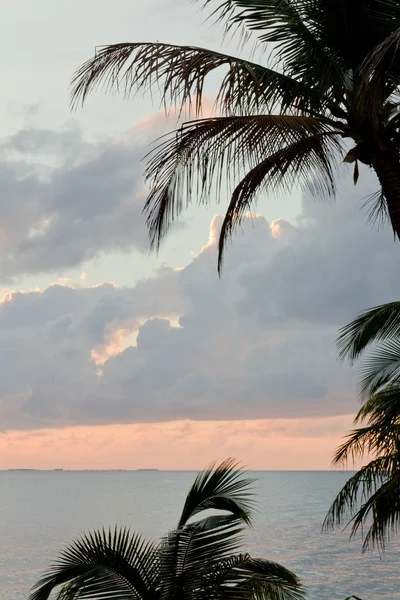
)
(114, 358)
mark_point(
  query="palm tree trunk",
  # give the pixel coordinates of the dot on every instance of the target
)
(386, 165)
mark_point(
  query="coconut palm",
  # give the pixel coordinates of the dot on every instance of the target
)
(199, 560)
(372, 496)
(329, 91)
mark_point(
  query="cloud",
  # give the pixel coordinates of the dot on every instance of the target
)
(258, 344)
(66, 200)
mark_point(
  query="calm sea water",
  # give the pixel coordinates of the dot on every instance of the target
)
(42, 511)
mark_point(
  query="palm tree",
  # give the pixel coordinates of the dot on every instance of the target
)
(372, 495)
(333, 75)
(199, 560)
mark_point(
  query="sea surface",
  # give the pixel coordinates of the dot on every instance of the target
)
(41, 511)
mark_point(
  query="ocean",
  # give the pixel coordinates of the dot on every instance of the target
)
(41, 511)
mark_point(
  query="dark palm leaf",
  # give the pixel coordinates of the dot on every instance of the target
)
(381, 367)
(102, 563)
(201, 151)
(379, 437)
(188, 554)
(383, 408)
(219, 488)
(376, 324)
(179, 74)
(307, 163)
(297, 44)
(241, 577)
(377, 210)
(258, 578)
(335, 61)
(372, 493)
(372, 496)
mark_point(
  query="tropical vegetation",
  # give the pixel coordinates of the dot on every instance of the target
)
(199, 560)
(327, 91)
(372, 496)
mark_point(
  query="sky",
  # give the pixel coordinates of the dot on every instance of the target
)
(112, 357)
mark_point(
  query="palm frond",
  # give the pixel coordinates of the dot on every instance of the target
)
(295, 38)
(384, 507)
(381, 367)
(307, 163)
(370, 493)
(378, 323)
(358, 442)
(377, 210)
(380, 77)
(100, 563)
(179, 73)
(383, 408)
(258, 578)
(202, 151)
(377, 438)
(383, 58)
(188, 554)
(223, 487)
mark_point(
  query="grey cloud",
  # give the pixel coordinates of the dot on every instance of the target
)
(65, 200)
(257, 344)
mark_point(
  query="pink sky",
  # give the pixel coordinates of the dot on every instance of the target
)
(262, 444)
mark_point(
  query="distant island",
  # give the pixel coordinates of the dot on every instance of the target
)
(24, 469)
(146, 469)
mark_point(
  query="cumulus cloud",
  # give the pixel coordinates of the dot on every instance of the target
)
(65, 200)
(258, 344)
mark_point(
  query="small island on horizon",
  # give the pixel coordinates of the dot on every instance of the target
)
(147, 469)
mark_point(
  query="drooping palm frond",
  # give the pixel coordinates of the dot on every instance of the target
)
(379, 437)
(308, 163)
(377, 210)
(373, 325)
(383, 408)
(202, 151)
(358, 442)
(179, 73)
(371, 500)
(102, 563)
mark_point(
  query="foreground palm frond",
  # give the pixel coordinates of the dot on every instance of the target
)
(179, 73)
(377, 329)
(199, 560)
(194, 157)
(308, 162)
(375, 324)
(371, 498)
(337, 66)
